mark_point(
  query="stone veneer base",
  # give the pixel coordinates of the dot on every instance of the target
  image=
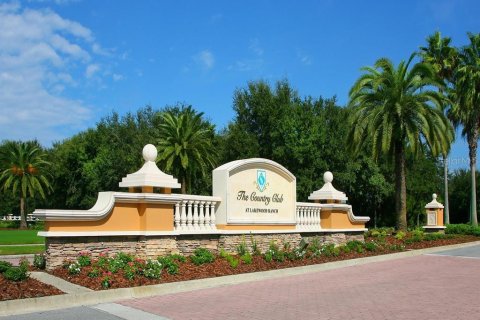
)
(60, 249)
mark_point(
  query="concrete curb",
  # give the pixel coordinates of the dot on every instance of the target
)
(59, 283)
(21, 306)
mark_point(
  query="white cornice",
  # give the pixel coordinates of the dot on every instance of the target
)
(104, 205)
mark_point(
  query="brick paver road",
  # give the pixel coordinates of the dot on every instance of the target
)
(420, 288)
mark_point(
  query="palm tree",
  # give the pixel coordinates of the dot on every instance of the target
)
(24, 172)
(186, 144)
(466, 109)
(443, 58)
(396, 110)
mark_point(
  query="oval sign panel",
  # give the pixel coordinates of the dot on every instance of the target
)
(254, 191)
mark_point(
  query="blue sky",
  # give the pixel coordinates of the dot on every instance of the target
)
(64, 64)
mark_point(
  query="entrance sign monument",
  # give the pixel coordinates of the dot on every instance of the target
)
(251, 197)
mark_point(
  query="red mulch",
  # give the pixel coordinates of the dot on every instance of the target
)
(29, 288)
(220, 267)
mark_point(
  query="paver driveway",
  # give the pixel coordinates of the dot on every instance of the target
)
(441, 286)
(422, 287)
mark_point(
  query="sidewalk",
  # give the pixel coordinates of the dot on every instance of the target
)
(407, 285)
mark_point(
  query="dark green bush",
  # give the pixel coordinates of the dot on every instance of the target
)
(169, 264)
(19, 273)
(370, 246)
(39, 261)
(466, 229)
(4, 266)
(201, 256)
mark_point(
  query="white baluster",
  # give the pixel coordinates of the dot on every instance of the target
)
(302, 217)
(208, 218)
(177, 216)
(189, 215)
(310, 218)
(213, 219)
(201, 218)
(183, 217)
(195, 216)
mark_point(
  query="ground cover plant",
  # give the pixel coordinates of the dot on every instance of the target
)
(15, 283)
(124, 270)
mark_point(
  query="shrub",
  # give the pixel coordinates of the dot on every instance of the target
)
(247, 258)
(4, 266)
(370, 246)
(201, 256)
(329, 250)
(84, 259)
(107, 280)
(169, 264)
(94, 273)
(153, 269)
(124, 257)
(178, 257)
(355, 245)
(466, 229)
(130, 270)
(19, 273)
(242, 247)
(39, 261)
(400, 235)
(232, 261)
(74, 268)
(255, 249)
(434, 236)
(274, 253)
(223, 254)
(396, 247)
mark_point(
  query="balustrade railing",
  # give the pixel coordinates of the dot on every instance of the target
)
(196, 213)
(308, 216)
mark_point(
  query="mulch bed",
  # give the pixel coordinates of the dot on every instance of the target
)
(29, 288)
(220, 267)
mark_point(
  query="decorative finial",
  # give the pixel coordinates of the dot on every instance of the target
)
(149, 153)
(328, 177)
(434, 196)
(149, 175)
(328, 192)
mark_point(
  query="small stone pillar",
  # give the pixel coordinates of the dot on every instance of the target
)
(434, 212)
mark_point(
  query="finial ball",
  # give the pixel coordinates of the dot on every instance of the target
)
(434, 196)
(328, 177)
(150, 153)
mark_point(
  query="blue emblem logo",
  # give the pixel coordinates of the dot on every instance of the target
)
(261, 180)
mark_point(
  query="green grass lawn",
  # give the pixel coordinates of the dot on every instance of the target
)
(5, 250)
(20, 237)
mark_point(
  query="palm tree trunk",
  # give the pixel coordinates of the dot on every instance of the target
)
(472, 146)
(184, 185)
(23, 219)
(445, 178)
(401, 188)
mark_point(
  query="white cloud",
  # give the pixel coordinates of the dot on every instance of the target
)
(42, 55)
(91, 70)
(205, 58)
(117, 77)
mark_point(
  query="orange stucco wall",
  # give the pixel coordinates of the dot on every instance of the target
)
(332, 219)
(440, 217)
(124, 217)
